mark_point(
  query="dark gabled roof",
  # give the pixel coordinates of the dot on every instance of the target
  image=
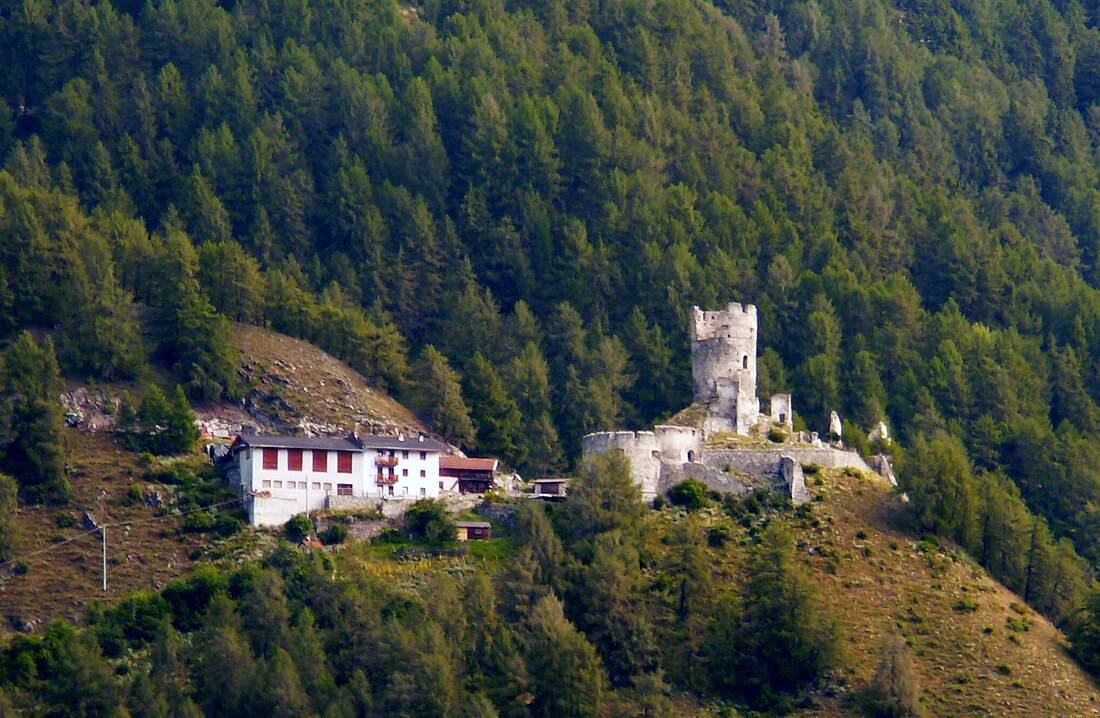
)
(407, 443)
(321, 443)
(328, 443)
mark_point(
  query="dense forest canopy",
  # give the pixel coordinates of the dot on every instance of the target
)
(513, 205)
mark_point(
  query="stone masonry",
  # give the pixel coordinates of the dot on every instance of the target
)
(723, 368)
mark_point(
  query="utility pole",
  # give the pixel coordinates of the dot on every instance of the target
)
(103, 530)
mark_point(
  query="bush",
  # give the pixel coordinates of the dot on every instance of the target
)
(428, 521)
(336, 533)
(690, 494)
(718, 536)
(134, 496)
(199, 522)
(776, 435)
(227, 525)
(298, 528)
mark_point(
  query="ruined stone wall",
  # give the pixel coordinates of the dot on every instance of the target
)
(641, 449)
(723, 345)
(678, 444)
(791, 472)
(766, 462)
(782, 411)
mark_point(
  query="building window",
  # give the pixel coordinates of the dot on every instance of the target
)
(343, 489)
(423, 491)
(423, 473)
(440, 485)
(320, 461)
(745, 362)
(267, 483)
(294, 459)
(277, 484)
(271, 459)
(423, 455)
(328, 486)
(404, 472)
(343, 462)
(316, 485)
(404, 454)
(391, 491)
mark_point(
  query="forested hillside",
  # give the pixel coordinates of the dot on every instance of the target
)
(515, 204)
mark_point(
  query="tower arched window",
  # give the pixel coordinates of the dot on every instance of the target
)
(745, 362)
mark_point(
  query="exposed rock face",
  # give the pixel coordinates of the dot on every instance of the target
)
(835, 427)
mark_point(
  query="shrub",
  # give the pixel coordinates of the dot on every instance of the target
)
(134, 496)
(199, 521)
(298, 528)
(428, 520)
(227, 525)
(718, 536)
(690, 494)
(336, 533)
(776, 435)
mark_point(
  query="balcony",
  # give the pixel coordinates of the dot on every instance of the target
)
(386, 479)
(386, 461)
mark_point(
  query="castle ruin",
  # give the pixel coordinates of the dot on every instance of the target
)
(723, 369)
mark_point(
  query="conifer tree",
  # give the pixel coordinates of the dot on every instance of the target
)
(440, 398)
(180, 431)
(785, 637)
(9, 524)
(33, 436)
(495, 415)
(570, 682)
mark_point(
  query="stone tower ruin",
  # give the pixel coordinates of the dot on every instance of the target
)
(723, 366)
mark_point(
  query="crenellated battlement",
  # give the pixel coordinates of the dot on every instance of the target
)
(736, 321)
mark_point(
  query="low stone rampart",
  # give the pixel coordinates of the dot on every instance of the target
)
(351, 503)
(641, 449)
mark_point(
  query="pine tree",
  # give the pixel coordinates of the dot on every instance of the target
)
(570, 683)
(440, 398)
(496, 417)
(33, 446)
(786, 637)
(9, 524)
(894, 691)
(180, 432)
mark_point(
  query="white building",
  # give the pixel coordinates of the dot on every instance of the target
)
(286, 475)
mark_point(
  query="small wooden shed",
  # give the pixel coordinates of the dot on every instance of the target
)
(473, 530)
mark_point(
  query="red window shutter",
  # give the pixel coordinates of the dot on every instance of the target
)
(294, 459)
(320, 461)
(271, 459)
(343, 462)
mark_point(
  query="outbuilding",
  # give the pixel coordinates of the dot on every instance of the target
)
(473, 530)
(467, 476)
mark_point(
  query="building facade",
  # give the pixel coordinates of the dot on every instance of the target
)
(281, 476)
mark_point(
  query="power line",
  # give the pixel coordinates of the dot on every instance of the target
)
(117, 524)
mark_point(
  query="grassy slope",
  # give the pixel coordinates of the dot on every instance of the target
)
(61, 582)
(878, 579)
(286, 380)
